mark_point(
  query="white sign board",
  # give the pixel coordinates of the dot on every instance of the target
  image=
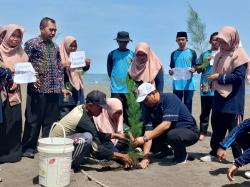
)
(181, 74)
(77, 59)
(24, 73)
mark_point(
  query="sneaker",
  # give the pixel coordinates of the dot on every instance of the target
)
(247, 174)
(209, 158)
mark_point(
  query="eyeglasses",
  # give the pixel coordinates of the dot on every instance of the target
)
(140, 54)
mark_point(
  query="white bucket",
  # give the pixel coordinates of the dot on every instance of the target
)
(55, 157)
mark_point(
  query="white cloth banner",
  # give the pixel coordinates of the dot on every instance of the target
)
(24, 73)
(181, 74)
(77, 59)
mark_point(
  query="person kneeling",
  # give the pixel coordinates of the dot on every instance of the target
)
(239, 135)
(165, 116)
(78, 125)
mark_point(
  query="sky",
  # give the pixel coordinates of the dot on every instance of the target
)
(95, 23)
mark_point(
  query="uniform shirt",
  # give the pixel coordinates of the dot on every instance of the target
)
(79, 121)
(118, 64)
(232, 136)
(45, 58)
(183, 59)
(170, 108)
(234, 103)
(205, 84)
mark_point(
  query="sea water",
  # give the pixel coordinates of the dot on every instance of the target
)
(104, 79)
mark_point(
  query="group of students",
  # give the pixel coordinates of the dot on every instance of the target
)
(224, 70)
(97, 126)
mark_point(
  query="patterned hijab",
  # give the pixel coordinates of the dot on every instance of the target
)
(10, 56)
(104, 122)
(73, 74)
(226, 61)
(145, 72)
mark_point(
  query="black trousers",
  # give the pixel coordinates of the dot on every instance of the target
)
(179, 139)
(10, 134)
(186, 96)
(206, 107)
(42, 110)
(221, 123)
(123, 99)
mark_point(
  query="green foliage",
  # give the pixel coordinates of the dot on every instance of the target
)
(134, 115)
(196, 30)
(134, 111)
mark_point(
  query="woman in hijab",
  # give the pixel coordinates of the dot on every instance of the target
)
(11, 128)
(73, 92)
(146, 67)
(229, 72)
(111, 121)
(5, 74)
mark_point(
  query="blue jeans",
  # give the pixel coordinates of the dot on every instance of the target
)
(187, 96)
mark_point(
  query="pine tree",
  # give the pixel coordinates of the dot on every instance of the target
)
(134, 115)
(196, 30)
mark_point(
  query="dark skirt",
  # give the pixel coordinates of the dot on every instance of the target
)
(10, 134)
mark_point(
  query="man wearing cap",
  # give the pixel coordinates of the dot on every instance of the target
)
(78, 125)
(183, 59)
(166, 116)
(118, 63)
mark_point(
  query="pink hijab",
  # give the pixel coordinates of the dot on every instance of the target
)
(74, 77)
(226, 61)
(105, 124)
(11, 56)
(2, 29)
(148, 71)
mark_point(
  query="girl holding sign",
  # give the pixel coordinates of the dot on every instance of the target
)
(11, 128)
(73, 84)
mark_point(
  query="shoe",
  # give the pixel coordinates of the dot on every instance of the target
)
(247, 174)
(28, 154)
(167, 152)
(76, 168)
(182, 161)
(209, 158)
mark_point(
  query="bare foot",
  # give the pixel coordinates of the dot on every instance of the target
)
(202, 137)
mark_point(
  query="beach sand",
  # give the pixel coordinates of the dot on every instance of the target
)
(159, 173)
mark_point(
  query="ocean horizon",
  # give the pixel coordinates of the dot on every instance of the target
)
(102, 78)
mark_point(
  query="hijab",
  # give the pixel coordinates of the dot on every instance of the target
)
(10, 56)
(226, 61)
(145, 72)
(73, 74)
(104, 122)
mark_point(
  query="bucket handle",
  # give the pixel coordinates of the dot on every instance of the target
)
(51, 133)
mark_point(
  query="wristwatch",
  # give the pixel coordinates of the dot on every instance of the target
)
(145, 138)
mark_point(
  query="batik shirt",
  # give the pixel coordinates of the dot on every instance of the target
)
(46, 60)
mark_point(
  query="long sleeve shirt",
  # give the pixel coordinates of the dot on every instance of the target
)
(79, 121)
(232, 136)
(234, 103)
(46, 60)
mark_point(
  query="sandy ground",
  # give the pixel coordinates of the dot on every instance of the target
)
(159, 173)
